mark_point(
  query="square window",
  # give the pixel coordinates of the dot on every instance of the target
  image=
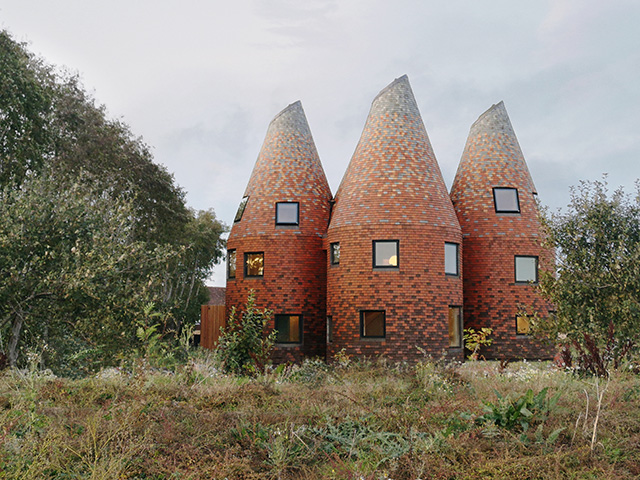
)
(506, 200)
(289, 328)
(526, 269)
(335, 253)
(522, 325)
(254, 264)
(386, 253)
(287, 213)
(372, 323)
(451, 262)
(231, 264)
(241, 207)
(455, 327)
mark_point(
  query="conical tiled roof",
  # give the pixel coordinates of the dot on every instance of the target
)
(393, 168)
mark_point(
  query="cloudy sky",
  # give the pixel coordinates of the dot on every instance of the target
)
(201, 80)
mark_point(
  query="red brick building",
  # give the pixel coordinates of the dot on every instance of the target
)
(389, 266)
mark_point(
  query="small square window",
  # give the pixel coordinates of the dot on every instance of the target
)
(287, 213)
(455, 327)
(289, 328)
(506, 200)
(451, 261)
(372, 323)
(522, 325)
(254, 264)
(526, 269)
(241, 207)
(386, 253)
(231, 264)
(335, 253)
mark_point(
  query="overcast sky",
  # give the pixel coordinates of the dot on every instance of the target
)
(201, 80)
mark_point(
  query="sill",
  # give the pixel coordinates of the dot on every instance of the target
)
(452, 275)
(259, 277)
(526, 283)
(386, 269)
(288, 345)
(373, 339)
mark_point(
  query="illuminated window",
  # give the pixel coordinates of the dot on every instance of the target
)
(372, 323)
(522, 325)
(451, 262)
(254, 264)
(287, 213)
(386, 253)
(241, 207)
(289, 328)
(506, 200)
(526, 269)
(335, 253)
(231, 264)
(455, 327)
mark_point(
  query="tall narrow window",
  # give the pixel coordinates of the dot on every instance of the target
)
(455, 327)
(526, 269)
(329, 329)
(522, 325)
(287, 213)
(386, 253)
(451, 262)
(372, 324)
(231, 264)
(506, 200)
(289, 328)
(335, 253)
(241, 207)
(254, 264)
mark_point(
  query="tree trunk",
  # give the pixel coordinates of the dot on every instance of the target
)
(16, 330)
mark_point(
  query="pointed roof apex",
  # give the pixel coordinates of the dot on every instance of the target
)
(292, 109)
(494, 120)
(399, 83)
(290, 119)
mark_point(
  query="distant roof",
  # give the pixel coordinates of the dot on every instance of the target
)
(216, 296)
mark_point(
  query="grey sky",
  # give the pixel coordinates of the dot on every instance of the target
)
(201, 80)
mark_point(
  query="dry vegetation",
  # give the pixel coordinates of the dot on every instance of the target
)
(360, 420)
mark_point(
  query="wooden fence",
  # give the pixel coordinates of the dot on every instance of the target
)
(211, 319)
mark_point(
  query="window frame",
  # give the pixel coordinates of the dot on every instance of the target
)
(363, 335)
(334, 259)
(246, 257)
(329, 328)
(231, 253)
(528, 332)
(281, 316)
(457, 245)
(495, 200)
(460, 326)
(241, 209)
(515, 270)
(373, 254)
(288, 224)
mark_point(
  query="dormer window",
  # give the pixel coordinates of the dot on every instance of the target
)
(506, 200)
(287, 213)
(241, 207)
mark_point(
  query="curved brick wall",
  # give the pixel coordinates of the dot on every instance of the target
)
(492, 158)
(288, 169)
(393, 190)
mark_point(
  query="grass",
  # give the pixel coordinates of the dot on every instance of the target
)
(353, 420)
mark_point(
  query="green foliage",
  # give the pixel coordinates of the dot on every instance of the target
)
(475, 339)
(596, 288)
(244, 347)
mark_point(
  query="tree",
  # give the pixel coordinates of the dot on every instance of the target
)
(596, 288)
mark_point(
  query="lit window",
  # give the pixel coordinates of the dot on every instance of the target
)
(289, 328)
(241, 207)
(522, 325)
(451, 263)
(335, 253)
(506, 200)
(231, 264)
(287, 213)
(526, 269)
(372, 323)
(254, 264)
(386, 253)
(455, 327)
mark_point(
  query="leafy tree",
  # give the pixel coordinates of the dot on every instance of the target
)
(596, 288)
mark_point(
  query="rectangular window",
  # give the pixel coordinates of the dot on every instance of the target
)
(289, 328)
(526, 269)
(455, 327)
(386, 253)
(231, 264)
(451, 261)
(329, 329)
(522, 325)
(241, 207)
(254, 264)
(335, 253)
(506, 200)
(372, 323)
(287, 213)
